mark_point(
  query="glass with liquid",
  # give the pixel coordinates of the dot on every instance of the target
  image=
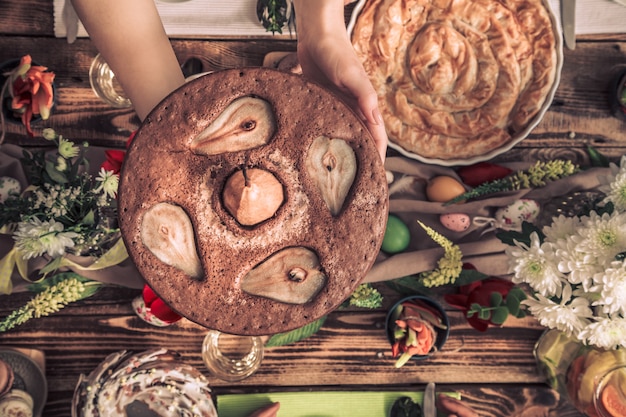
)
(105, 85)
(231, 357)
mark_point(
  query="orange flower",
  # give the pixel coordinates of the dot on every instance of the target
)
(31, 91)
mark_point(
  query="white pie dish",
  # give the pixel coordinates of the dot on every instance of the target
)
(517, 137)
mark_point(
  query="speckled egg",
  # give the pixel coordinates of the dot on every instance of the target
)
(456, 222)
(512, 216)
(8, 186)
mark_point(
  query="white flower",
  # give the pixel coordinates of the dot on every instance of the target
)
(611, 286)
(67, 149)
(606, 333)
(536, 265)
(34, 238)
(570, 315)
(107, 182)
(602, 237)
(614, 185)
(561, 229)
(49, 134)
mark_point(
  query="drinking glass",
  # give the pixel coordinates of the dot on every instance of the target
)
(610, 394)
(105, 85)
(231, 357)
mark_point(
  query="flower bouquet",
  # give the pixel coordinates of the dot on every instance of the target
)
(576, 270)
(63, 226)
(27, 91)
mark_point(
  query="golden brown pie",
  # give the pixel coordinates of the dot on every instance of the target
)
(457, 79)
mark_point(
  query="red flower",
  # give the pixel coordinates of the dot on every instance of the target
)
(158, 307)
(31, 89)
(478, 292)
(115, 158)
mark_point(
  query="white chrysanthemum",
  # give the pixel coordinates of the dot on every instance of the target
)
(606, 333)
(614, 185)
(536, 265)
(34, 238)
(611, 287)
(570, 316)
(107, 183)
(67, 149)
(573, 263)
(561, 229)
(601, 238)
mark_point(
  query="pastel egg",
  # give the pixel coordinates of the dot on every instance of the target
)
(8, 186)
(456, 222)
(512, 216)
(443, 188)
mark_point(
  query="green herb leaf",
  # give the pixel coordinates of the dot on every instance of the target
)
(296, 335)
(499, 315)
(54, 174)
(495, 299)
(596, 158)
(510, 236)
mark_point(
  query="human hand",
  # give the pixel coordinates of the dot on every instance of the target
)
(267, 411)
(454, 407)
(327, 57)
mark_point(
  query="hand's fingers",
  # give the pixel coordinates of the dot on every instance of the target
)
(380, 138)
(267, 411)
(454, 407)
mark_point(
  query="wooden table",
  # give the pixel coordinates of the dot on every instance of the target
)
(494, 371)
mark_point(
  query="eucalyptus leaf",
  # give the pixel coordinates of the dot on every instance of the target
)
(510, 236)
(296, 335)
(495, 299)
(499, 315)
(484, 314)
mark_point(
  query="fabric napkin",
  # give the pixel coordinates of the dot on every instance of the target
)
(478, 244)
(189, 18)
(317, 404)
(595, 16)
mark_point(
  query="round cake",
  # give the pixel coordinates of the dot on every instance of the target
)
(253, 201)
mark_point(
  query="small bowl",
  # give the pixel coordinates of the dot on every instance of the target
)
(442, 334)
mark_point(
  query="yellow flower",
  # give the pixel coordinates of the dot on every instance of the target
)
(449, 265)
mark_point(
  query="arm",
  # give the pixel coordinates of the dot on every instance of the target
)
(327, 56)
(132, 40)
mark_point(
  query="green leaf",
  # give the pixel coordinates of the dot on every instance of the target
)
(54, 174)
(53, 265)
(495, 299)
(90, 218)
(295, 335)
(484, 314)
(596, 158)
(512, 303)
(499, 315)
(409, 285)
(509, 237)
(467, 276)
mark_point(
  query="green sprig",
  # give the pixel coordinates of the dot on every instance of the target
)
(55, 293)
(274, 14)
(366, 296)
(537, 175)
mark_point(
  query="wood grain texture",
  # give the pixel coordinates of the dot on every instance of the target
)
(494, 371)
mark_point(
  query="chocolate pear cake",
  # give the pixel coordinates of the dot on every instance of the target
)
(253, 201)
